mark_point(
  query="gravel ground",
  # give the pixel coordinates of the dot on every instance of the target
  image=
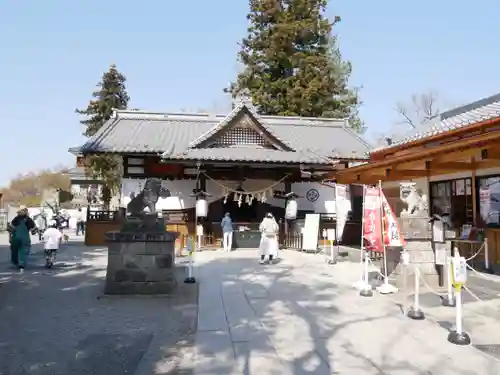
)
(58, 322)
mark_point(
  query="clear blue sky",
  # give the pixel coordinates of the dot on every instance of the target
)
(180, 54)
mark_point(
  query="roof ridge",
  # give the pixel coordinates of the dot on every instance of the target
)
(137, 114)
(468, 107)
(444, 121)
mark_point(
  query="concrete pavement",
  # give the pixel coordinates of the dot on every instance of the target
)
(56, 322)
(302, 316)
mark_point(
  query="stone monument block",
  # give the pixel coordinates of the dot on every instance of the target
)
(141, 258)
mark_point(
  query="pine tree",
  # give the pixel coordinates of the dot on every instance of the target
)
(292, 63)
(111, 94)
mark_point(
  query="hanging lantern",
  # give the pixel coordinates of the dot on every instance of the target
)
(291, 209)
(201, 207)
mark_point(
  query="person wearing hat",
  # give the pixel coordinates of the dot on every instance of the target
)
(20, 240)
(269, 239)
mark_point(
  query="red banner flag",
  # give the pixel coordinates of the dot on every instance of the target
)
(392, 233)
(372, 221)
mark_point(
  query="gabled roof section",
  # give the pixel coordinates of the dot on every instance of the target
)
(309, 140)
(240, 110)
(486, 109)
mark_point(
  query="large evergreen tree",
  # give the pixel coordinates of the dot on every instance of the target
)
(292, 63)
(110, 94)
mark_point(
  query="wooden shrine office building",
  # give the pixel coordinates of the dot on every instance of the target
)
(243, 160)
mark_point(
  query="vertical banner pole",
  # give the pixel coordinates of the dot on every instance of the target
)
(385, 288)
(333, 256)
(360, 284)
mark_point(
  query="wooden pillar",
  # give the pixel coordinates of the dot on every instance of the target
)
(474, 194)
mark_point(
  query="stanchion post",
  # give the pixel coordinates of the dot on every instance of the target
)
(459, 269)
(405, 262)
(415, 313)
(366, 290)
(449, 299)
(486, 256)
(190, 278)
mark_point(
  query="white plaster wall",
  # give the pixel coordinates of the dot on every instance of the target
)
(181, 189)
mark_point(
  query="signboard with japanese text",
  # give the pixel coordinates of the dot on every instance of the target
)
(372, 221)
(392, 233)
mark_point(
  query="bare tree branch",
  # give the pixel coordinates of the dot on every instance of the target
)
(423, 107)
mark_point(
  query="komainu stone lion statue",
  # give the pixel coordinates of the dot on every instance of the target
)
(148, 197)
(416, 202)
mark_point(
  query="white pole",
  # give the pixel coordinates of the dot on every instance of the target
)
(449, 287)
(416, 297)
(486, 255)
(366, 278)
(415, 313)
(190, 267)
(360, 284)
(190, 278)
(385, 288)
(405, 288)
(366, 289)
(333, 260)
(386, 278)
(458, 321)
(332, 256)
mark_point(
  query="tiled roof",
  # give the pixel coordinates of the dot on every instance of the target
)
(229, 118)
(172, 135)
(252, 154)
(478, 111)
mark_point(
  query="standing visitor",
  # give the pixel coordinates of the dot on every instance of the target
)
(41, 224)
(80, 222)
(227, 232)
(20, 240)
(269, 239)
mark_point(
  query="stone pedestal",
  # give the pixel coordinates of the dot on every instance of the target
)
(141, 258)
(416, 231)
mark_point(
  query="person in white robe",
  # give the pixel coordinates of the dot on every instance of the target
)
(269, 239)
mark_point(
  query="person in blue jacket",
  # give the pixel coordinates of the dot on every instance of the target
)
(20, 239)
(227, 231)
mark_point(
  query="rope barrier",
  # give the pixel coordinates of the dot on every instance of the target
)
(477, 253)
(429, 287)
(380, 273)
(472, 294)
(491, 278)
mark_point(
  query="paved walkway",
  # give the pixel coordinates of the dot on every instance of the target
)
(302, 316)
(56, 322)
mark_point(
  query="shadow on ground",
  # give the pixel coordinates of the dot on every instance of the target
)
(55, 321)
(313, 325)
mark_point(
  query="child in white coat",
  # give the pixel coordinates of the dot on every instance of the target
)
(52, 238)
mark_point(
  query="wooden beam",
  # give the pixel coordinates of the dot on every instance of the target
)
(490, 154)
(450, 165)
(405, 173)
